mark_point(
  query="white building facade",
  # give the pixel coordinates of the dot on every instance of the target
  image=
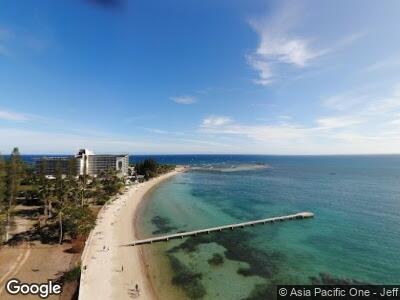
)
(86, 162)
(93, 164)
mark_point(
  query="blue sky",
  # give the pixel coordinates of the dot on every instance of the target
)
(185, 76)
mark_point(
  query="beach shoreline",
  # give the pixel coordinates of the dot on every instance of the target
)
(112, 271)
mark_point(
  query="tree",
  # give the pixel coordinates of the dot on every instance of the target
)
(71, 185)
(71, 168)
(3, 214)
(111, 183)
(3, 174)
(78, 220)
(13, 179)
(44, 187)
(148, 168)
(14, 176)
(59, 183)
(60, 194)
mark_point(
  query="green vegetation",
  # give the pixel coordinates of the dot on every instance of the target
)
(3, 215)
(216, 260)
(72, 275)
(65, 202)
(149, 168)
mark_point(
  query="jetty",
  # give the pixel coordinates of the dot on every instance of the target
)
(181, 235)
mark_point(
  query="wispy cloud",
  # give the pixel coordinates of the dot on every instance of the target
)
(350, 39)
(338, 122)
(213, 121)
(14, 116)
(226, 125)
(345, 101)
(279, 45)
(357, 123)
(37, 142)
(384, 65)
(156, 130)
(163, 132)
(184, 99)
(284, 117)
(365, 102)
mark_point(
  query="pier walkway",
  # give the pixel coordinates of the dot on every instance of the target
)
(302, 215)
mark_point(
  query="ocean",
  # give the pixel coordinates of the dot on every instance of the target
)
(354, 237)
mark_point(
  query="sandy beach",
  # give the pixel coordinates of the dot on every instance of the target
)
(110, 271)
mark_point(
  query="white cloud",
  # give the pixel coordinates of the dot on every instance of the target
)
(345, 101)
(156, 130)
(184, 99)
(385, 105)
(279, 45)
(350, 39)
(338, 122)
(13, 116)
(164, 132)
(37, 142)
(284, 117)
(226, 126)
(370, 124)
(384, 65)
(263, 68)
(292, 51)
(215, 121)
(280, 42)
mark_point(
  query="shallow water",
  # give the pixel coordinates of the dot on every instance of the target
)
(355, 234)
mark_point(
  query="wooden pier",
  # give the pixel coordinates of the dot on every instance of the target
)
(302, 215)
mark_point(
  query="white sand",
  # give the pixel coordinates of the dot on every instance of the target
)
(104, 257)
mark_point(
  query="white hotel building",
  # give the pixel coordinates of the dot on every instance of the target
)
(87, 162)
(93, 164)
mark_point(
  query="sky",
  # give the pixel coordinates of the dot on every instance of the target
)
(200, 76)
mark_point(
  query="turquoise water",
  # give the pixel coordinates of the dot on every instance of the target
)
(355, 235)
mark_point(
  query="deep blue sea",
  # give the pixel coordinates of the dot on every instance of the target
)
(355, 235)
